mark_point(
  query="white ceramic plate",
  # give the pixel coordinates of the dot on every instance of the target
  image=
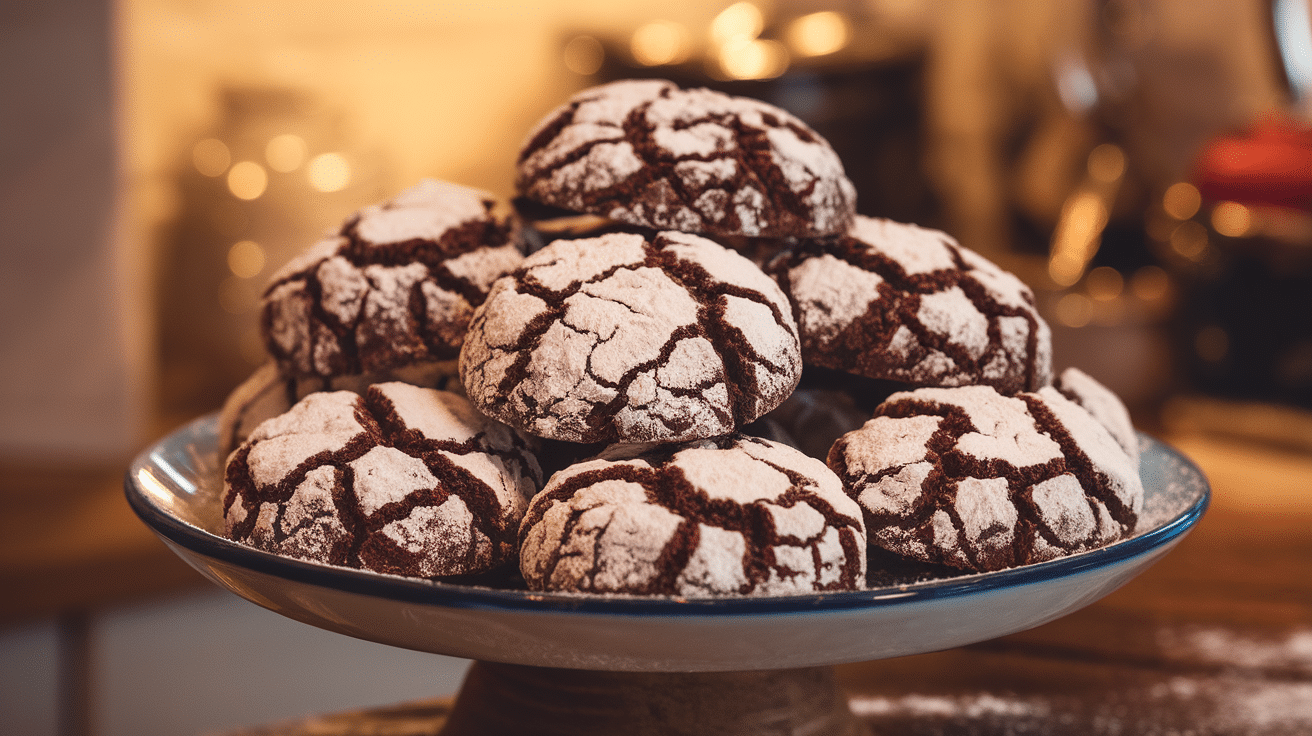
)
(175, 488)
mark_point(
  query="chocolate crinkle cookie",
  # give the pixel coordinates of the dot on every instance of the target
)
(734, 515)
(649, 153)
(625, 339)
(979, 481)
(397, 284)
(1103, 404)
(402, 480)
(266, 393)
(904, 303)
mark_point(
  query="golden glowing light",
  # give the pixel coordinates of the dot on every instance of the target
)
(1232, 219)
(1074, 310)
(1212, 343)
(1106, 163)
(245, 259)
(247, 180)
(738, 21)
(1104, 283)
(1076, 238)
(817, 34)
(753, 59)
(329, 172)
(660, 42)
(285, 152)
(584, 55)
(1189, 239)
(211, 157)
(1150, 283)
(1182, 200)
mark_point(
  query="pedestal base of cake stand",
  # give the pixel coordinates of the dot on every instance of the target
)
(514, 699)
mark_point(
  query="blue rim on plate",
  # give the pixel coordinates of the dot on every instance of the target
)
(197, 442)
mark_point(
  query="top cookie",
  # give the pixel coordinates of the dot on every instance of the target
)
(622, 339)
(396, 285)
(651, 154)
(904, 303)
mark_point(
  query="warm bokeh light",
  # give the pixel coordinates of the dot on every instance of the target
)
(1232, 219)
(1212, 343)
(1106, 163)
(753, 59)
(1150, 283)
(817, 34)
(1182, 200)
(1189, 239)
(211, 157)
(660, 42)
(247, 180)
(1104, 283)
(246, 259)
(1074, 310)
(1076, 238)
(329, 172)
(738, 21)
(285, 153)
(584, 55)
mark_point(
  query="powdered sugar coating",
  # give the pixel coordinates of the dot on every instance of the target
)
(734, 515)
(981, 481)
(905, 303)
(622, 339)
(266, 393)
(647, 153)
(402, 479)
(396, 285)
(1103, 404)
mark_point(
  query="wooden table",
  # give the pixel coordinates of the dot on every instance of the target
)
(1214, 640)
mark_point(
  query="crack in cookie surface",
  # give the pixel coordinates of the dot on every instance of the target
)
(619, 338)
(403, 480)
(653, 155)
(899, 302)
(727, 516)
(397, 284)
(976, 480)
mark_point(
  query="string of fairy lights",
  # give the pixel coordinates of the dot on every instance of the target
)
(733, 46)
(248, 180)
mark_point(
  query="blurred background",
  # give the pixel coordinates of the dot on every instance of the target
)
(1145, 165)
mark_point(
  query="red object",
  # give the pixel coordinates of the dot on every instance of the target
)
(1269, 164)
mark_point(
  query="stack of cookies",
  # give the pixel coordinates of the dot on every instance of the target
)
(677, 263)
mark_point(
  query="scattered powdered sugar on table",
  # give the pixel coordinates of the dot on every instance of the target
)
(968, 706)
(1201, 644)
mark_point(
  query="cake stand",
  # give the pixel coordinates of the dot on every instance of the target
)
(585, 664)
